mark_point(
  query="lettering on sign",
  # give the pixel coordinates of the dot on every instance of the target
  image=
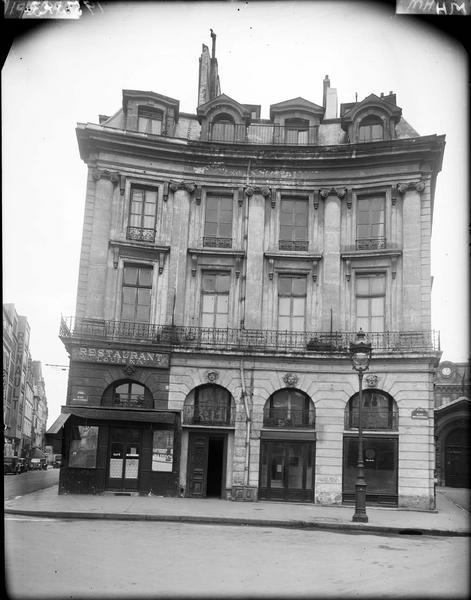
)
(121, 357)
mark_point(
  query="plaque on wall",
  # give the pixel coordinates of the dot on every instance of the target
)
(162, 451)
(419, 413)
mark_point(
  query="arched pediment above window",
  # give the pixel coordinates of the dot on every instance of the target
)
(297, 108)
(223, 120)
(223, 105)
(372, 119)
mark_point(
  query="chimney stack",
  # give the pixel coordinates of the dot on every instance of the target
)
(329, 100)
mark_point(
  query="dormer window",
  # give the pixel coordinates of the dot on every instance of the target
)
(149, 120)
(223, 128)
(370, 129)
(296, 131)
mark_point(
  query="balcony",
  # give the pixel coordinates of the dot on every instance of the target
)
(129, 401)
(371, 243)
(217, 242)
(241, 340)
(263, 133)
(294, 245)
(140, 234)
(209, 413)
(288, 418)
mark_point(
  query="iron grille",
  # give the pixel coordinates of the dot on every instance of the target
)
(294, 245)
(288, 418)
(140, 234)
(246, 340)
(217, 242)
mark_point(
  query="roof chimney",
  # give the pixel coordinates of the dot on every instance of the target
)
(326, 85)
(208, 84)
(329, 100)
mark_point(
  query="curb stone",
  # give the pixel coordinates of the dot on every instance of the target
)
(306, 525)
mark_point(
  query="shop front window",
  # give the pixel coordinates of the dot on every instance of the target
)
(83, 447)
(378, 411)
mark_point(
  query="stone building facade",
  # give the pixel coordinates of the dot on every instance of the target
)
(19, 413)
(227, 262)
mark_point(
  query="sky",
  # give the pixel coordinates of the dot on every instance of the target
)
(71, 71)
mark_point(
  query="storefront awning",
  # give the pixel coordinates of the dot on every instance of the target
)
(119, 414)
(58, 424)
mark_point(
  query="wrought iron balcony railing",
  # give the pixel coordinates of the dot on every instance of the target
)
(371, 243)
(129, 400)
(288, 418)
(209, 413)
(263, 133)
(294, 245)
(140, 234)
(217, 242)
(244, 340)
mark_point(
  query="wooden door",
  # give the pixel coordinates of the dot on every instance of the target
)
(197, 464)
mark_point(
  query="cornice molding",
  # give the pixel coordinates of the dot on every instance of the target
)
(122, 249)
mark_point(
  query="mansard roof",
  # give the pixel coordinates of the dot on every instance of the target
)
(296, 104)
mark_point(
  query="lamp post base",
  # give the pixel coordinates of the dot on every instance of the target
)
(360, 515)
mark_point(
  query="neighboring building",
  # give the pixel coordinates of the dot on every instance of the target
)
(453, 424)
(18, 390)
(40, 411)
(227, 262)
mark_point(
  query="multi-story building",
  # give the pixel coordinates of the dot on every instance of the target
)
(10, 342)
(227, 261)
(40, 410)
(18, 386)
(452, 391)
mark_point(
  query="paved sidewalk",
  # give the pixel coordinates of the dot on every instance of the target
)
(450, 519)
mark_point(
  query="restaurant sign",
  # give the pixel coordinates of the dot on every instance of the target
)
(121, 357)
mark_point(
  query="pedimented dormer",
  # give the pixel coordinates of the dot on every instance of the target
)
(149, 112)
(223, 119)
(371, 120)
(296, 121)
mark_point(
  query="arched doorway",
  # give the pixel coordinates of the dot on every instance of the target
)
(287, 449)
(125, 440)
(457, 458)
(209, 411)
(380, 447)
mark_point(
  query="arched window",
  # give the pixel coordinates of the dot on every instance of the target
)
(127, 394)
(371, 129)
(223, 128)
(289, 408)
(208, 405)
(379, 411)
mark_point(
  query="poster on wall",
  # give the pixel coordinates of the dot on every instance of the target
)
(162, 451)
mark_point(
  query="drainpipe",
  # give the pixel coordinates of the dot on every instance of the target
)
(248, 422)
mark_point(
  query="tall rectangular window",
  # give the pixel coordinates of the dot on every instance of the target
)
(136, 298)
(218, 221)
(142, 213)
(149, 120)
(215, 299)
(370, 294)
(293, 224)
(370, 222)
(291, 303)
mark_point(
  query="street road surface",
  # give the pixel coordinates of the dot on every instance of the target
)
(25, 483)
(47, 558)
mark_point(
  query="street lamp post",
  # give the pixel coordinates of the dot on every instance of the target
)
(360, 355)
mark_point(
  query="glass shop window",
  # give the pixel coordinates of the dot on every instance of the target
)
(379, 411)
(83, 447)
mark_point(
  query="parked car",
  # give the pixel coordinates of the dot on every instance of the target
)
(57, 461)
(22, 465)
(9, 464)
(38, 463)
